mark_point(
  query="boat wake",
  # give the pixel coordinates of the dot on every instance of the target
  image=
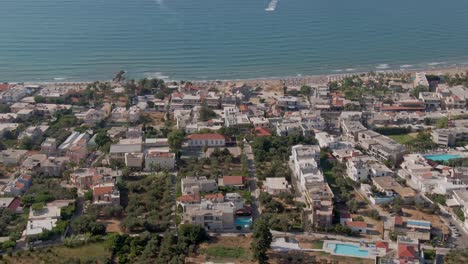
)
(272, 6)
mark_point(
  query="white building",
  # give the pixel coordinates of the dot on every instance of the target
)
(159, 159)
(206, 140)
(275, 186)
(365, 167)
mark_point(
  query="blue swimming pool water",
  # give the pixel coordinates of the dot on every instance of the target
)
(442, 157)
(349, 250)
(243, 221)
(418, 223)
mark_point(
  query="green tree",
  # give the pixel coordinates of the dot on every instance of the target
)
(352, 206)
(176, 138)
(442, 123)
(419, 89)
(206, 114)
(306, 90)
(102, 139)
(26, 143)
(37, 206)
(88, 195)
(4, 108)
(262, 239)
(39, 99)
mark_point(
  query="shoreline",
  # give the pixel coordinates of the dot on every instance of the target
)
(315, 79)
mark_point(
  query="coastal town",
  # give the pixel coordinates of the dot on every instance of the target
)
(348, 168)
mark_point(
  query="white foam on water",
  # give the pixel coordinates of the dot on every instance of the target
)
(272, 6)
(156, 75)
(339, 70)
(406, 66)
(59, 78)
(434, 63)
(350, 69)
(382, 66)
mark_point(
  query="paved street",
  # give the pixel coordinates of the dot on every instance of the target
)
(253, 180)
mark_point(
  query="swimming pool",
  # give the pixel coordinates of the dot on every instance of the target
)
(442, 157)
(419, 223)
(243, 222)
(348, 250)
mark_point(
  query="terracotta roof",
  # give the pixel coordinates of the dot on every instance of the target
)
(160, 154)
(4, 87)
(402, 108)
(359, 224)
(14, 204)
(19, 185)
(406, 251)
(381, 244)
(189, 198)
(233, 180)
(262, 132)
(398, 220)
(26, 176)
(205, 136)
(214, 196)
(99, 190)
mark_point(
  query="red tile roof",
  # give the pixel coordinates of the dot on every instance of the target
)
(402, 108)
(262, 132)
(19, 185)
(205, 137)
(26, 176)
(100, 190)
(381, 244)
(406, 251)
(189, 198)
(14, 204)
(233, 180)
(398, 220)
(214, 196)
(359, 224)
(4, 87)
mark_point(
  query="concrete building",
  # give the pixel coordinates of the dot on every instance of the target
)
(12, 156)
(213, 217)
(275, 186)
(106, 194)
(206, 140)
(155, 158)
(365, 167)
(195, 185)
(134, 160)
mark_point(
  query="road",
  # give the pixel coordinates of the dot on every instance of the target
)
(460, 242)
(255, 192)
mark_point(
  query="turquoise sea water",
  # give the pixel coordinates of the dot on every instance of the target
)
(442, 157)
(43, 40)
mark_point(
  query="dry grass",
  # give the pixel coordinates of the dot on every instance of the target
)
(112, 225)
(434, 219)
(219, 245)
(157, 118)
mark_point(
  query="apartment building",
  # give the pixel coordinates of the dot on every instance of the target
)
(195, 185)
(214, 217)
(206, 140)
(154, 158)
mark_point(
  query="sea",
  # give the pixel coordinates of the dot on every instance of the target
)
(86, 40)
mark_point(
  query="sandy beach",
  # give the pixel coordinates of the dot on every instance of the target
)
(276, 83)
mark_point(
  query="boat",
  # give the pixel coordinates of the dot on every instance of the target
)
(272, 6)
